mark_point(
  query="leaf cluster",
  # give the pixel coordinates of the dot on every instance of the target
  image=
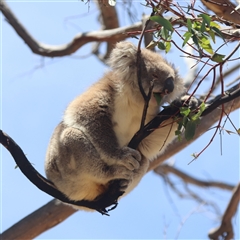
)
(189, 121)
(165, 32)
(201, 32)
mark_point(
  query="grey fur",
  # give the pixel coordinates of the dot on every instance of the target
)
(88, 148)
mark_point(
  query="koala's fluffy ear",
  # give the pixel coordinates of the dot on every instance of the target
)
(123, 57)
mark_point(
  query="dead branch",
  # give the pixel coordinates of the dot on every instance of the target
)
(78, 41)
(225, 230)
(224, 9)
(166, 169)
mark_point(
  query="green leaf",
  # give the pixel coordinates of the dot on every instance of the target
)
(158, 98)
(168, 46)
(212, 35)
(197, 115)
(190, 130)
(184, 111)
(206, 19)
(186, 36)
(205, 44)
(161, 46)
(195, 40)
(214, 24)
(189, 25)
(218, 32)
(203, 27)
(205, 40)
(177, 132)
(185, 121)
(164, 33)
(216, 57)
(196, 26)
(163, 22)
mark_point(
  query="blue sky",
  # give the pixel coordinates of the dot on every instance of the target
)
(34, 93)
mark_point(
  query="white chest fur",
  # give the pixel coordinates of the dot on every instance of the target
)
(127, 117)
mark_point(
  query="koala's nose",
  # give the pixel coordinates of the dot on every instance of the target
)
(168, 85)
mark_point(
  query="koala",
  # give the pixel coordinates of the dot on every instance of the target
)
(88, 148)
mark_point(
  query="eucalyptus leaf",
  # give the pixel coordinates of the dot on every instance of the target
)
(190, 130)
(168, 46)
(186, 36)
(189, 25)
(158, 98)
(161, 46)
(206, 19)
(184, 111)
(216, 57)
(163, 22)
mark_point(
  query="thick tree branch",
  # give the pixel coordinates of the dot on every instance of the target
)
(39, 221)
(206, 122)
(225, 230)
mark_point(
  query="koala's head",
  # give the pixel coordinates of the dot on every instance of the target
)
(166, 81)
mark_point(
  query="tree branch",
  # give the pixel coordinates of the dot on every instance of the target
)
(225, 230)
(100, 204)
(110, 36)
(78, 41)
(205, 123)
(38, 221)
(109, 20)
(232, 94)
(223, 9)
(166, 169)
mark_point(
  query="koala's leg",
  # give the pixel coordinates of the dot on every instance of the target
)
(81, 157)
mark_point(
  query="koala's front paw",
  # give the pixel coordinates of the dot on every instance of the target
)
(193, 102)
(129, 158)
(184, 101)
